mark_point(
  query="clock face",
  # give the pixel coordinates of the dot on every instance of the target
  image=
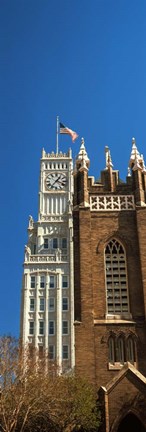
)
(56, 181)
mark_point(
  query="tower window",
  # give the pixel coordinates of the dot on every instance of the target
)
(41, 327)
(31, 327)
(52, 282)
(64, 281)
(65, 304)
(65, 352)
(116, 279)
(32, 282)
(55, 243)
(41, 351)
(32, 304)
(42, 281)
(65, 327)
(51, 352)
(46, 243)
(64, 243)
(51, 328)
(42, 304)
(51, 304)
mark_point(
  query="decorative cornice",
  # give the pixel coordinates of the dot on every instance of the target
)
(112, 202)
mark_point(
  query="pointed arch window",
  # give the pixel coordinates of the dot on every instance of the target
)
(111, 349)
(130, 350)
(116, 279)
(120, 350)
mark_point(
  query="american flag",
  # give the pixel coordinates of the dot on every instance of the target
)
(66, 130)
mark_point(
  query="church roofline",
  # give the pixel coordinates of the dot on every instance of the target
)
(127, 370)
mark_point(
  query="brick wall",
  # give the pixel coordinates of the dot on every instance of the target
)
(92, 231)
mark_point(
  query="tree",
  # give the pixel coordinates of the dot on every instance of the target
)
(35, 397)
(78, 408)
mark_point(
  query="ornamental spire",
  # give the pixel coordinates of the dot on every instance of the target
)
(136, 160)
(128, 172)
(143, 163)
(108, 158)
(82, 159)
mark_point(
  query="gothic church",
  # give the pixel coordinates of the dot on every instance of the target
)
(110, 288)
(84, 281)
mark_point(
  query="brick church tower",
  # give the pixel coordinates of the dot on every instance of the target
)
(110, 288)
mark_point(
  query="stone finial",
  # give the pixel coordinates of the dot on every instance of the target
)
(108, 158)
(82, 142)
(136, 160)
(82, 159)
(137, 163)
(43, 153)
(129, 172)
(143, 163)
(134, 153)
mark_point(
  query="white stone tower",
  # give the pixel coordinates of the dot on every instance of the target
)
(47, 294)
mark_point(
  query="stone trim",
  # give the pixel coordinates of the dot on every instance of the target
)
(112, 202)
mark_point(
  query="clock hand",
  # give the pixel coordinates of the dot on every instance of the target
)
(62, 180)
(61, 183)
(54, 181)
(58, 180)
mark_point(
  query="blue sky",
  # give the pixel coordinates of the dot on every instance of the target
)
(84, 60)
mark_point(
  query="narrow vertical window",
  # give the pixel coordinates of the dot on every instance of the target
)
(64, 281)
(32, 304)
(52, 282)
(51, 328)
(120, 350)
(55, 243)
(51, 304)
(42, 281)
(41, 327)
(42, 304)
(116, 279)
(65, 352)
(64, 243)
(111, 348)
(51, 352)
(65, 327)
(46, 243)
(130, 350)
(31, 327)
(41, 351)
(65, 304)
(32, 281)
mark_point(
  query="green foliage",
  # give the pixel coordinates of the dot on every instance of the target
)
(79, 407)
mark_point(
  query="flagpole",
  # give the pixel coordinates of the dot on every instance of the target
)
(57, 135)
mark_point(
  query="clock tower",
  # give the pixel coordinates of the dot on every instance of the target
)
(47, 293)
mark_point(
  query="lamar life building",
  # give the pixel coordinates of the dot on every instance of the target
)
(84, 281)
